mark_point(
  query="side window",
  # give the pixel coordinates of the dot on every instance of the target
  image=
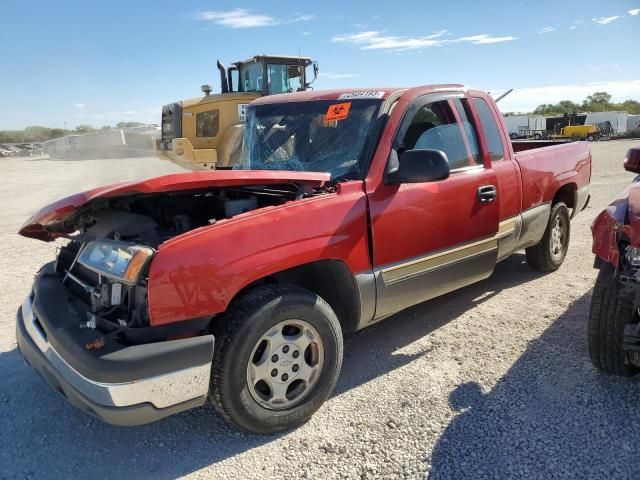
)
(490, 127)
(207, 123)
(434, 127)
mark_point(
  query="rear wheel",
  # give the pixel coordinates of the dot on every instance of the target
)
(277, 358)
(610, 311)
(551, 251)
(591, 138)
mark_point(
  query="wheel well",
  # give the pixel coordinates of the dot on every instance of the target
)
(330, 279)
(567, 195)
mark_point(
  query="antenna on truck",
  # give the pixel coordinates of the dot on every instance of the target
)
(503, 95)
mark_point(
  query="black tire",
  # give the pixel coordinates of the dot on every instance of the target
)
(543, 256)
(591, 138)
(609, 313)
(537, 136)
(239, 330)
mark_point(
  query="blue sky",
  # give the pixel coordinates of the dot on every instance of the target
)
(99, 63)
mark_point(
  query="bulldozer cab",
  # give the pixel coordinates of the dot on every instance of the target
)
(205, 133)
(269, 75)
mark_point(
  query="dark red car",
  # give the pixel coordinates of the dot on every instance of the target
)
(345, 208)
(614, 322)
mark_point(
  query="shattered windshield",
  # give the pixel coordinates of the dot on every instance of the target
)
(319, 136)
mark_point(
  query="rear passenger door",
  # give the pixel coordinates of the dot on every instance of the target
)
(431, 238)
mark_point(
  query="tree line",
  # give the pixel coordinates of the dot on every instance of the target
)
(598, 102)
(42, 134)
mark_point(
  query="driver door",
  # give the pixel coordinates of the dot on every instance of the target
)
(432, 238)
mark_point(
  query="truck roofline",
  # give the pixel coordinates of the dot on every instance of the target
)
(334, 94)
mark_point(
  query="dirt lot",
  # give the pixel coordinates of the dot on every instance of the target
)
(491, 381)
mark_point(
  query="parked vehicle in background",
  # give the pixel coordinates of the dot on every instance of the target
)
(579, 132)
(614, 322)
(346, 207)
(5, 152)
(26, 150)
(13, 151)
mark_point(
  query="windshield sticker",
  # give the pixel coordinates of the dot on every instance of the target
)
(339, 111)
(360, 94)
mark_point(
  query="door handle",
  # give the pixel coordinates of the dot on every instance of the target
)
(487, 193)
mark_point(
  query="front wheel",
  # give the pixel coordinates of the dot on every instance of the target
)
(277, 358)
(551, 251)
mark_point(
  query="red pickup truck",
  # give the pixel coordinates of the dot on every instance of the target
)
(345, 208)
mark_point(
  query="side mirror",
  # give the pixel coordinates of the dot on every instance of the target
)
(417, 166)
(632, 160)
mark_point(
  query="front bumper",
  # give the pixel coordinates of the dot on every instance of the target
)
(124, 385)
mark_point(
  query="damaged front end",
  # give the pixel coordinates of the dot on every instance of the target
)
(86, 326)
(112, 240)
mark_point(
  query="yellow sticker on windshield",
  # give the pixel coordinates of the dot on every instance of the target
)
(339, 111)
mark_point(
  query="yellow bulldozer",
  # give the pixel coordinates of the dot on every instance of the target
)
(205, 133)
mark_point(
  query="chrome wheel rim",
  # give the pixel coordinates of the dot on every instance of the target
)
(285, 364)
(558, 238)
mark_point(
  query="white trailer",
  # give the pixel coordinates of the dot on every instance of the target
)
(633, 122)
(618, 120)
(113, 143)
(517, 125)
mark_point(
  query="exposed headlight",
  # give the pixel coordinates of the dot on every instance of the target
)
(117, 260)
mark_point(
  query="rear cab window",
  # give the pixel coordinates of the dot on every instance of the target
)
(491, 129)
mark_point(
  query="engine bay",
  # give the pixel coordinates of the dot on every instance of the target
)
(119, 308)
(154, 219)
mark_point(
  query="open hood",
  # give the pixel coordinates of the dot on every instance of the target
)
(63, 209)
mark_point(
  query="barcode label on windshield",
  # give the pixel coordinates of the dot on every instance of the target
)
(360, 94)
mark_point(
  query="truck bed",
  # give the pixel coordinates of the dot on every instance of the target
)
(548, 166)
(522, 145)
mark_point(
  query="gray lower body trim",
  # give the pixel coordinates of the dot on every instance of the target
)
(582, 199)
(534, 224)
(397, 294)
(507, 243)
(161, 391)
(367, 290)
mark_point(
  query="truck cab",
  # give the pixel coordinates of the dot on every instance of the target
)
(205, 133)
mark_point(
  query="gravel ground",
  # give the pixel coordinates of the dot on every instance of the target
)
(492, 381)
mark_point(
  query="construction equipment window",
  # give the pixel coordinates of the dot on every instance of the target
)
(435, 126)
(207, 123)
(284, 78)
